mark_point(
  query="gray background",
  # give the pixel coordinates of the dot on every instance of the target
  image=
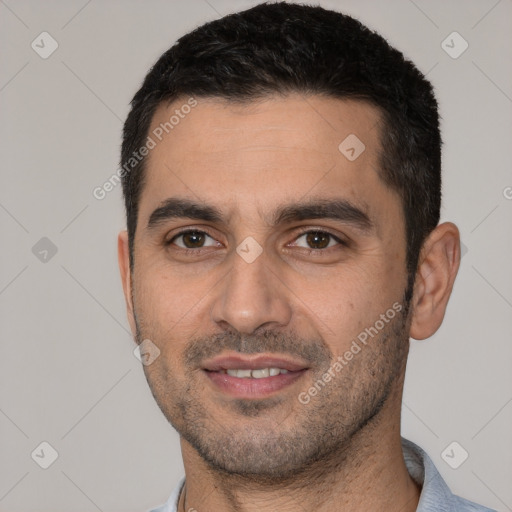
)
(68, 375)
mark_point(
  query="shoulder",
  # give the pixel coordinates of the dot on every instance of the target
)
(172, 503)
(462, 505)
(435, 494)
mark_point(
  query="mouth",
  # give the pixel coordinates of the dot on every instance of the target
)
(256, 376)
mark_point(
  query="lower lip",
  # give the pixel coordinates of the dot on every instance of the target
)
(250, 387)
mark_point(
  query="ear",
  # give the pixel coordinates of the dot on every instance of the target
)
(437, 269)
(123, 256)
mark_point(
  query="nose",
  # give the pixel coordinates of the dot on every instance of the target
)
(251, 297)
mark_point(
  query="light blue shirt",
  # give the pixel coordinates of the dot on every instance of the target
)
(435, 495)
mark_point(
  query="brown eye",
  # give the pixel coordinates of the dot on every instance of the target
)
(318, 239)
(193, 240)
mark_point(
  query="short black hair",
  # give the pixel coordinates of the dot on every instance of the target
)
(281, 48)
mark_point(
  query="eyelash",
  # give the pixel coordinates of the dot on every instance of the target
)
(340, 242)
(190, 251)
(198, 250)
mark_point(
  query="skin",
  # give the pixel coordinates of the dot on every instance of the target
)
(342, 450)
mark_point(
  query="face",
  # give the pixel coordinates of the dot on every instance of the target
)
(267, 259)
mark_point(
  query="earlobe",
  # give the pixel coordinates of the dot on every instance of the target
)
(123, 256)
(437, 269)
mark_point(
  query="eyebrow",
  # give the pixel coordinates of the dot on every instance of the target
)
(335, 209)
(173, 208)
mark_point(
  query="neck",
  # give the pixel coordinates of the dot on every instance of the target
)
(369, 474)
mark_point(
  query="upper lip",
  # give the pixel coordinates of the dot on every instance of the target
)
(248, 362)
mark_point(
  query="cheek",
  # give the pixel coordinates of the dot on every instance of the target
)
(354, 299)
(351, 304)
(167, 306)
(167, 315)
(168, 292)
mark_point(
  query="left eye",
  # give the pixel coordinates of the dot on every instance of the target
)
(316, 240)
(193, 240)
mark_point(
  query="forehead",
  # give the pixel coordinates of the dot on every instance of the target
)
(295, 122)
(259, 152)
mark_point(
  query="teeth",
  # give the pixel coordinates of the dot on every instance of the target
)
(259, 373)
(240, 373)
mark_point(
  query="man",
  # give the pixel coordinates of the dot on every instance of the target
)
(281, 173)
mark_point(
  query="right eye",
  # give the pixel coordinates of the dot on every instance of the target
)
(192, 239)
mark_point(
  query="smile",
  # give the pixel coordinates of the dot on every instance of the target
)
(252, 376)
(258, 373)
